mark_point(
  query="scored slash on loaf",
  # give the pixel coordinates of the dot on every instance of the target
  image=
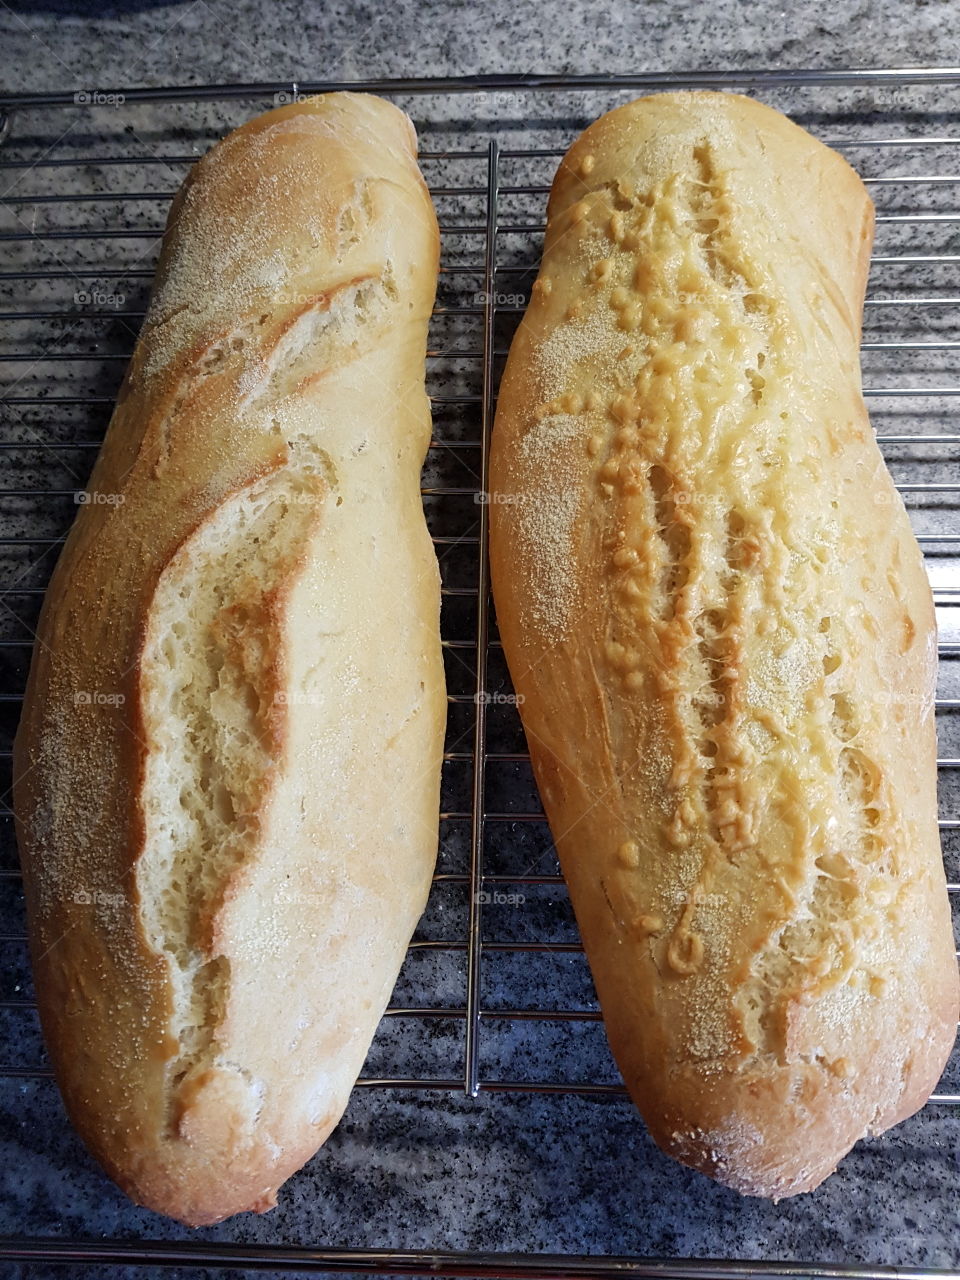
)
(227, 772)
(716, 613)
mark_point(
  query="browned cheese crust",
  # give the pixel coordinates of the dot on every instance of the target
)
(227, 772)
(718, 620)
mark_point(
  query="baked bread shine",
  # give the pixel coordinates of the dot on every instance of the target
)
(715, 611)
(227, 772)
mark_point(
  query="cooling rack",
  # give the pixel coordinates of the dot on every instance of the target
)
(494, 997)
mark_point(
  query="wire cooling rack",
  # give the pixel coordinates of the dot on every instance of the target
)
(494, 996)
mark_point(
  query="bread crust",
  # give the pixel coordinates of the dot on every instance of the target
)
(227, 769)
(718, 620)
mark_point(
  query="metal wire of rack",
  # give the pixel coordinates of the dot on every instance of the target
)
(60, 361)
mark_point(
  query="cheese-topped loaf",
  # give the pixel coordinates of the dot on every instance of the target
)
(718, 619)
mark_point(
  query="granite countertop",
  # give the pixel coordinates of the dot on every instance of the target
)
(58, 43)
(435, 1171)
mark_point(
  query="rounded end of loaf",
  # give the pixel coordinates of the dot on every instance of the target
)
(317, 193)
(708, 135)
(775, 1130)
(349, 122)
(221, 1160)
(627, 141)
(385, 124)
(777, 1122)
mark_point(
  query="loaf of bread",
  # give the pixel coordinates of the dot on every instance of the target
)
(717, 616)
(227, 772)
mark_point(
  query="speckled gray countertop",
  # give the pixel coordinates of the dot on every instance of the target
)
(434, 1171)
(58, 43)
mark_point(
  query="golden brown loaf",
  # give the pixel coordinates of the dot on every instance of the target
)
(716, 613)
(227, 772)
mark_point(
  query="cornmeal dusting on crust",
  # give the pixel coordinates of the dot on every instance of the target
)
(546, 520)
(577, 352)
